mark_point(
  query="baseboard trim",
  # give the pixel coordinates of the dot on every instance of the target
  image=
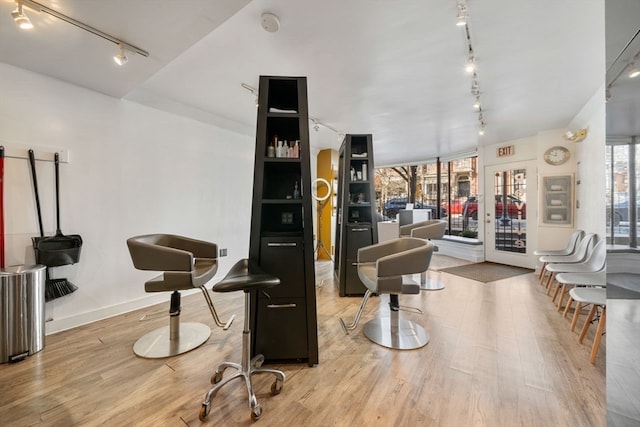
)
(62, 324)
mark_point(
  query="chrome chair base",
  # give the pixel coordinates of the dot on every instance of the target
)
(427, 284)
(394, 332)
(159, 343)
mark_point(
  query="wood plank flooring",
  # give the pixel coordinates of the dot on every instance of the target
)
(500, 355)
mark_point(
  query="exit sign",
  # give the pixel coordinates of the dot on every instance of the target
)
(509, 150)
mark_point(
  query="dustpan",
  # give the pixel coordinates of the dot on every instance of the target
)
(54, 251)
(57, 250)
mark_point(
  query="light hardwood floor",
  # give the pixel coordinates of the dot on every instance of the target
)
(500, 355)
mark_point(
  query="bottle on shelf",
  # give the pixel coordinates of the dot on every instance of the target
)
(296, 191)
(296, 150)
(279, 149)
(271, 149)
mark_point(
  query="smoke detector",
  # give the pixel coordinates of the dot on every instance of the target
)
(270, 22)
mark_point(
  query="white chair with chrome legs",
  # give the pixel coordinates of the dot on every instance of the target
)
(186, 264)
(570, 247)
(431, 229)
(386, 268)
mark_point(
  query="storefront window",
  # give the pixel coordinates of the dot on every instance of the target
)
(622, 184)
(450, 192)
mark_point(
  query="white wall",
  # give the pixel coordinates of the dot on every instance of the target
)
(552, 236)
(586, 164)
(590, 155)
(132, 170)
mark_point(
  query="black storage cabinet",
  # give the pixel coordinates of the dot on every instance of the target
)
(283, 318)
(357, 218)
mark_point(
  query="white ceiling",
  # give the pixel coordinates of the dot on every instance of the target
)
(392, 68)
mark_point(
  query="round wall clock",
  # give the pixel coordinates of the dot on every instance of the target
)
(557, 155)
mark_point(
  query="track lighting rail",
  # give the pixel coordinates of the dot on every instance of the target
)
(40, 8)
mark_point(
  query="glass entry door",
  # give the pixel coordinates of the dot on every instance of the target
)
(510, 214)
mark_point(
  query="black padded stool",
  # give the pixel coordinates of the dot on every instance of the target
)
(244, 276)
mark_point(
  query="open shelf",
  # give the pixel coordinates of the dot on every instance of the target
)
(357, 220)
(283, 319)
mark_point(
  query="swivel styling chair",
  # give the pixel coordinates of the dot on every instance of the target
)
(386, 268)
(186, 264)
(430, 229)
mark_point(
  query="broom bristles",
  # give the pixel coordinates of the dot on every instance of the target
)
(56, 288)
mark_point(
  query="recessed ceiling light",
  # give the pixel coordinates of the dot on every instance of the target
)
(635, 71)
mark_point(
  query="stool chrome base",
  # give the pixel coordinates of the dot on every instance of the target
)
(396, 333)
(159, 343)
(244, 370)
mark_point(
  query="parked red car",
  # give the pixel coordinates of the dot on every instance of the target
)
(454, 207)
(515, 208)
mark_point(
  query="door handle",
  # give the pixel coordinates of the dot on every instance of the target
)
(359, 229)
(284, 244)
(281, 305)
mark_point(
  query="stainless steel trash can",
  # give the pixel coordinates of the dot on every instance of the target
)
(21, 311)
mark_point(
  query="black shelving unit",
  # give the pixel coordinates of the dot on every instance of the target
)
(357, 224)
(283, 318)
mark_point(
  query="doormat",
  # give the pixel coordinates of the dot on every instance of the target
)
(486, 271)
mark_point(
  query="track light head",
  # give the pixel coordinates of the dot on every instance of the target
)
(471, 65)
(462, 15)
(481, 128)
(476, 104)
(121, 57)
(21, 19)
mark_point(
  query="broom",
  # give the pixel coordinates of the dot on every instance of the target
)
(54, 288)
(62, 286)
